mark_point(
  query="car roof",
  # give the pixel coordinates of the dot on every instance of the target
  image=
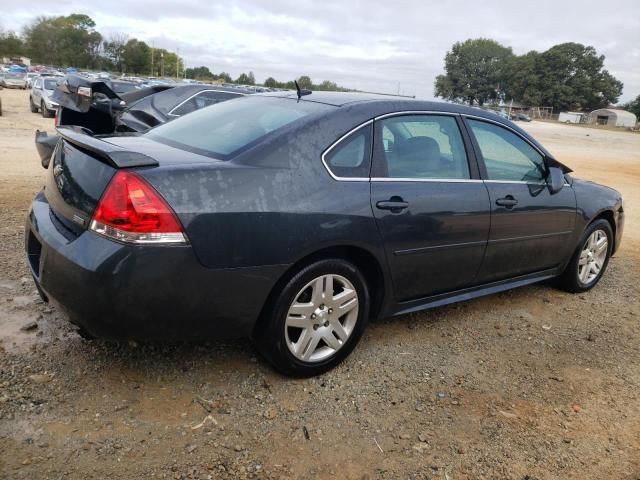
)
(379, 102)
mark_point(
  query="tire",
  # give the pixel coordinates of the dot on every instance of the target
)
(44, 111)
(321, 337)
(32, 106)
(575, 278)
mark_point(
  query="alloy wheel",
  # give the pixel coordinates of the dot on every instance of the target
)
(593, 256)
(321, 318)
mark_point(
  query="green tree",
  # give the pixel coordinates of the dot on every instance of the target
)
(634, 107)
(569, 76)
(305, 82)
(326, 85)
(271, 83)
(136, 57)
(245, 79)
(200, 73)
(11, 44)
(474, 71)
(65, 41)
(225, 77)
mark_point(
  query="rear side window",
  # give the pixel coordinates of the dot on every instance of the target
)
(201, 100)
(228, 128)
(422, 146)
(350, 158)
(506, 156)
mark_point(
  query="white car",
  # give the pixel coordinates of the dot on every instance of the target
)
(40, 97)
(14, 80)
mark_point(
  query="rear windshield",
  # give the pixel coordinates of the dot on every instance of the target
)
(225, 129)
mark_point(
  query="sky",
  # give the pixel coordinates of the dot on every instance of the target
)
(383, 46)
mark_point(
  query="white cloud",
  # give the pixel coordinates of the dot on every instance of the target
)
(370, 45)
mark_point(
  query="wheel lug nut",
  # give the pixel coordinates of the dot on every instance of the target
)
(322, 307)
(313, 316)
(331, 310)
(326, 324)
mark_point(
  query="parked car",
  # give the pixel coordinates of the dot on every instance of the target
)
(522, 116)
(103, 110)
(40, 99)
(14, 80)
(296, 219)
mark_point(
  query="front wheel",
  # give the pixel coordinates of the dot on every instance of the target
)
(32, 106)
(316, 319)
(44, 110)
(590, 259)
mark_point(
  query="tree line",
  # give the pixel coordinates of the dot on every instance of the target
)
(569, 76)
(73, 41)
(204, 74)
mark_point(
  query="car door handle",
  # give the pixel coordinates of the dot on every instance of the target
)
(395, 204)
(507, 201)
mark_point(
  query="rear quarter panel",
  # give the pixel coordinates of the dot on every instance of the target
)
(272, 205)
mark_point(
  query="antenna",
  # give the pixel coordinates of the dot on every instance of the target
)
(301, 91)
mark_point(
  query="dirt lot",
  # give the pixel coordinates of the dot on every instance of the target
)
(529, 384)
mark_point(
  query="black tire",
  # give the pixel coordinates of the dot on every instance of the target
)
(270, 334)
(570, 280)
(32, 106)
(44, 110)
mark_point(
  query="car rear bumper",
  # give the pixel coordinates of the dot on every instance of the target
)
(121, 291)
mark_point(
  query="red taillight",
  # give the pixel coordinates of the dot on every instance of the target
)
(131, 210)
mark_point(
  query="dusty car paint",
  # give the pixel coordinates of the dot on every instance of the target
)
(253, 218)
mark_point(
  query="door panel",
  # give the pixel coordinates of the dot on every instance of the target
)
(433, 217)
(530, 227)
(437, 242)
(530, 236)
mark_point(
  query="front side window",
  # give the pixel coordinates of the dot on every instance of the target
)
(201, 100)
(351, 157)
(423, 146)
(506, 156)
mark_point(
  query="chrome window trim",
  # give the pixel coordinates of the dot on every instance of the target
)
(198, 93)
(427, 180)
(415, 112)
(335, 144)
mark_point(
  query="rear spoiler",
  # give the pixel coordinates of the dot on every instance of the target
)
(116, 156)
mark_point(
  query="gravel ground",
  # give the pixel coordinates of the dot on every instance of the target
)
(529, 384)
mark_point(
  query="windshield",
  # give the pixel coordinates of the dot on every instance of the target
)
(50, 84)
(224, 129)
(15, 75)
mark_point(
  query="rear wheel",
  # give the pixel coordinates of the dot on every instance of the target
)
(590, 259)
(316, 320)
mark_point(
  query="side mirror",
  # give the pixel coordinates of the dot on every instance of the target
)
(555, 179)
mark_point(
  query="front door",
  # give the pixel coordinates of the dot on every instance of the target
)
(530, 227)
(432, 215)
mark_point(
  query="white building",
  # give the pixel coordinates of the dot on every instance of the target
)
(613, 117)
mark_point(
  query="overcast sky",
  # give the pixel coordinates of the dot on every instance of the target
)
(384, 46)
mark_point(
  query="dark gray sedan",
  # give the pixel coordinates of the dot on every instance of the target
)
(296, 220)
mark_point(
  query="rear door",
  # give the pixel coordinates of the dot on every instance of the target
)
(431, 208)
(530, 227)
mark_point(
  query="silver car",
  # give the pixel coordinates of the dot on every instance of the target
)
(40, 97)
(14, 80)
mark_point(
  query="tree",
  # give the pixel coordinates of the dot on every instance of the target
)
(11, 44)
(113, 51)
(245, 79)
(568, 76)
(634, 107)
(200, 73)
(225, 77)
(271, 83)
(475, 71)
(305, 82)
(65, 41)
(326, 85)
(136, 57)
